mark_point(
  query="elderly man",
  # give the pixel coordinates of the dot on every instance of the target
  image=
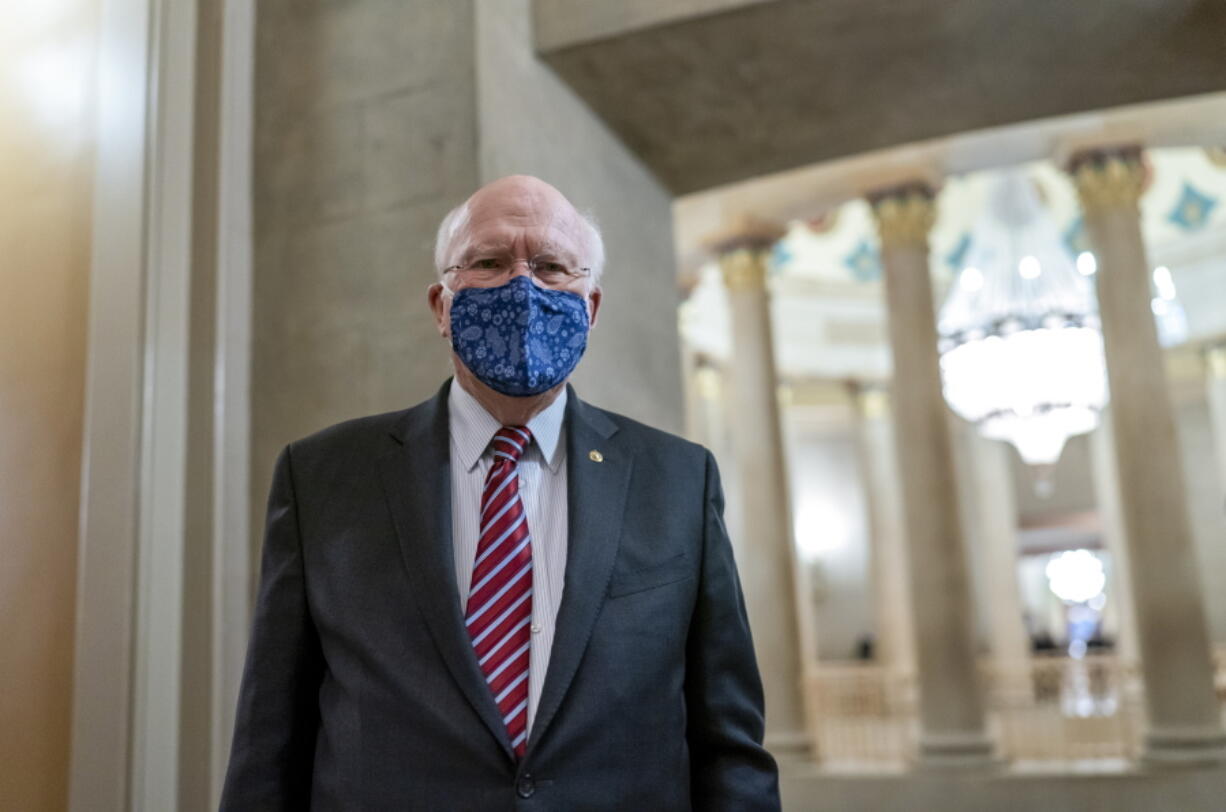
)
(502, 598)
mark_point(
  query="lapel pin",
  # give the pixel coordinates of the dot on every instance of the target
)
(595, 456)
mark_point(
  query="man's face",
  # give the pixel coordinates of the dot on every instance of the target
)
(511, 222)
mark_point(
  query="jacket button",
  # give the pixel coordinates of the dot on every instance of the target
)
(526, 787)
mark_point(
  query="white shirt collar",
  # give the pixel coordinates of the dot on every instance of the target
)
(472, 428)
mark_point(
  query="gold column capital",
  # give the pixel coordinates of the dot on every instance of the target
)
(875, 403)
(742, 246)
(744, 268)
(708, 380)
(1215, 361)
(871, 400)
(1109, 179)
(904, 214)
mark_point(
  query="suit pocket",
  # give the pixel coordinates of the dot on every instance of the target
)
(674, 569)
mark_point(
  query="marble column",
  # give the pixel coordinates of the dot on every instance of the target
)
(695, 408)
(1184, 716)
(1111, 522)
(895, 641)
(952, 725)
(1215, 394)
(988, 488)
(769, 567)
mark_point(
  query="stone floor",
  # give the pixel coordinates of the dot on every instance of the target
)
(1010, 790)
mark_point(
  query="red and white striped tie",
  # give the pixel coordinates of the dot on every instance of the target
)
(499, 611)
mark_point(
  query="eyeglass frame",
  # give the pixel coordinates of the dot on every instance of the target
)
(532, 263)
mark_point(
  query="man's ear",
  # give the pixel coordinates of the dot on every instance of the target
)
(437, 297)
(593, 299)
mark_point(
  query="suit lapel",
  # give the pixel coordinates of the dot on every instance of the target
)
(416, 477)
(595, 503)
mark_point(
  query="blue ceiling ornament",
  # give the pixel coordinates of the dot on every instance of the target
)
(864, 263)
(781, 256)
(1192, 210)
(954, 258)
(1076, 239)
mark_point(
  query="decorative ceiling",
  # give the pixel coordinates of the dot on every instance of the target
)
(825, 275)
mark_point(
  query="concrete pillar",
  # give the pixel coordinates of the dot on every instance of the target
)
(895, 639)
(1107, 497)
(1184, 716)
(952, 729)
(768, 570)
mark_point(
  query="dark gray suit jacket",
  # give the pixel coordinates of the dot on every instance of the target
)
(361, 690)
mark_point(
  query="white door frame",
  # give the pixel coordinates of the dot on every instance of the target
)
(129, 630)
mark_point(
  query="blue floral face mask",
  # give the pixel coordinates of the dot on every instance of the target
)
(519, 339)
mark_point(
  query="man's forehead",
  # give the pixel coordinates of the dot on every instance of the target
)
(521, 206)
(491, 245)
(506, 221)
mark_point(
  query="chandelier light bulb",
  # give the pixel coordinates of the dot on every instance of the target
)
(1023, 362)
(1164, 283)
(971, 279)
(1087, 265)
(1076, 576)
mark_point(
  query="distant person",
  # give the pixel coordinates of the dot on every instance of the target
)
(1042, 641)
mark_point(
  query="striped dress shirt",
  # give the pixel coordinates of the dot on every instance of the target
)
(542, 488)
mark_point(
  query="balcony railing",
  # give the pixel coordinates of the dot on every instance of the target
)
(1065, 710)
(861, 716)
(1054, 711)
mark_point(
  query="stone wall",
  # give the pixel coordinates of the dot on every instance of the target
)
(364, 138)
(530, 122)
(373, 119)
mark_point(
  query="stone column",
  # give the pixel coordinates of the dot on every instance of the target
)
(993, 510)
(1184, 716)
(952, 729)
(1215, 385)
(895, 643)
(768, 569)
(695, 408)
(1107, 497)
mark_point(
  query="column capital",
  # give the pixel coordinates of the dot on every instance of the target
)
(1215, 361)
(744, 268)
(872, 400)
(1109, 178)
(741, 247)
(904, 214)
(707, 379)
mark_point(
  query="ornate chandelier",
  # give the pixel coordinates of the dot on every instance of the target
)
(1021, 348)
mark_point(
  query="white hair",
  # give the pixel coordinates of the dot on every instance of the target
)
(444, 242)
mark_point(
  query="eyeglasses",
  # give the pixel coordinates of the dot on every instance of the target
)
(489, 269)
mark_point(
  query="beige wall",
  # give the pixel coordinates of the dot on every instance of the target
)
(46, 56)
